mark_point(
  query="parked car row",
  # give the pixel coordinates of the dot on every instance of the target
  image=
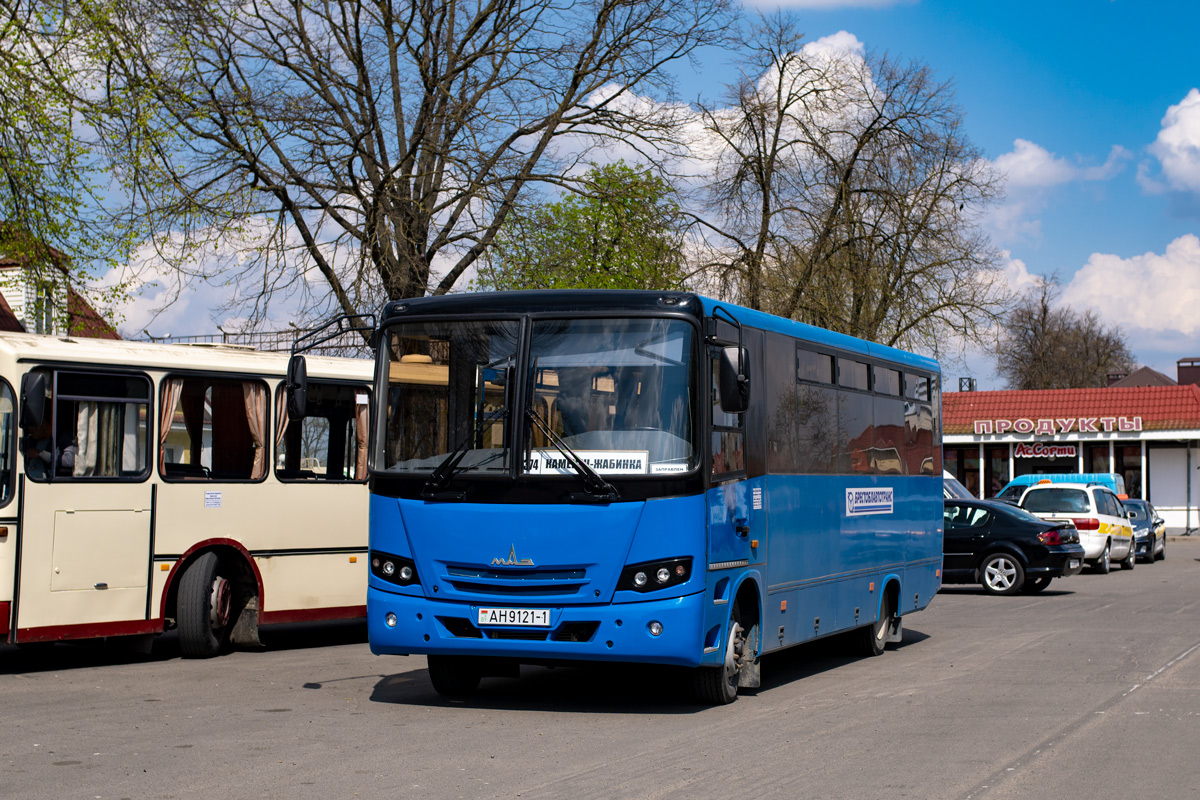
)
(1048, 529)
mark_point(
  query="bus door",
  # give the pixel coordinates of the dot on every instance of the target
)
(87, 504)
(729, 534)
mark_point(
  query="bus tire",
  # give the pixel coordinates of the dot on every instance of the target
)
(454, 676)
(204, 608)
(717, 686)
(872, 639)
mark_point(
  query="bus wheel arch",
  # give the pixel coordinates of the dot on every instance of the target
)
(888, 625)
(740, 667)
(215, 600)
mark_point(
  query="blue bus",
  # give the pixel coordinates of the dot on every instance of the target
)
(648, 477)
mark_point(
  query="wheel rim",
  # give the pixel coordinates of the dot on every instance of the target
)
(1000, 574)
(734, 651)
(1104, 557)
(219, 603)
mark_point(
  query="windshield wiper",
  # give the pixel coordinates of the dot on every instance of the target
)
(445, 470)
(597, 488)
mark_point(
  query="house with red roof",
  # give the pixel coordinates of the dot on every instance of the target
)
(1149, 434)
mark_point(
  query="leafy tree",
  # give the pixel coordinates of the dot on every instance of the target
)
(363, 143)
(624, 232)
(847, 195)
(1046, 345)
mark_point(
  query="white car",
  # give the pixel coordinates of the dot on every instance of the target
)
(1104, 528)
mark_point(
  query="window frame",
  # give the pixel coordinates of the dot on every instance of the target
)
(218, 376)
(276, 441)
(13, 444)
(56, 396)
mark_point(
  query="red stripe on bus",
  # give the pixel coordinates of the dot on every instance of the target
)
(5, 613)
(89, 630)
(312, 614)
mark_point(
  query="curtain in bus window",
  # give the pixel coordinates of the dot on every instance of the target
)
(255, 397)
(131, 438)
(97, 440)
(360, 441)
(281, 417)
(172, 390)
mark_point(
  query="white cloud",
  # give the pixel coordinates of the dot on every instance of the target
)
(1153, 297)
(1177, 147)
(1031, 174)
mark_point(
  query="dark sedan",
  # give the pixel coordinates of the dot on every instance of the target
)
(1006, 549)
(1149, 530)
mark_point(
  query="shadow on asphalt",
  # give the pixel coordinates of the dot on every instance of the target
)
(969, 588)
(589, 688)
(78, 654)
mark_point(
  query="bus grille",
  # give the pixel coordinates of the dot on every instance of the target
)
(516, 582)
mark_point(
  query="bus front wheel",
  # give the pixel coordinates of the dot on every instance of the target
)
(204, 609)
(718, 685)
(454, 676)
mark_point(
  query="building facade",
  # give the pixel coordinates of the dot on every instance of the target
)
(1148, 434)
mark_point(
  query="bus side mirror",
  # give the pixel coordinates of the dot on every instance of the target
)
(33, 400)
(733, 380)
(297, 388)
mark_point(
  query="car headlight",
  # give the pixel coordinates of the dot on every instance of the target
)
(650, 576)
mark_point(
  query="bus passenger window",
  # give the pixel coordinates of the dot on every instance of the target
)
(7, 456)
(212, 429)
(330, 443)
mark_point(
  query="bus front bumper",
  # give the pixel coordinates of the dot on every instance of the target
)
(618, 632)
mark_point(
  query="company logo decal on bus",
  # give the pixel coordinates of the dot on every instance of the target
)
(512, 561)
(860, 502)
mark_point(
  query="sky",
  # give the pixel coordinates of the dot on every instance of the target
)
(1090, 107)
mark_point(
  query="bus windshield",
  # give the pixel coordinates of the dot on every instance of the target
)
(616, 393)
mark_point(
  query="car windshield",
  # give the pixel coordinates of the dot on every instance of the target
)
(955, 489)
(1012, 492)
(617, 392)
(1056, 500)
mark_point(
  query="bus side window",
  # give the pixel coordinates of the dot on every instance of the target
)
(213, 428)
(728, 438)
(330, 443)
(99, 428)
(8, 424)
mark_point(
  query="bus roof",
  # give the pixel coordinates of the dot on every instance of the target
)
(584, 300)
(38, 349)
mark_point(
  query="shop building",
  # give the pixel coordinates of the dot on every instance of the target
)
(1148, 434)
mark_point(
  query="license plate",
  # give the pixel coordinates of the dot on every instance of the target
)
(523, 617)
(1073, 563)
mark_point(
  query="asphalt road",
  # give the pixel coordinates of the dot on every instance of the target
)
(1089, 690)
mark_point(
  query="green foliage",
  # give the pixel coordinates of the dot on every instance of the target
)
(624, 231)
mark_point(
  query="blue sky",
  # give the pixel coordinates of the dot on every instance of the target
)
(1068, 97)
(1090, 107)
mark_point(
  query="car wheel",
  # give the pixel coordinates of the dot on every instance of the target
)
(1130, 560)
(1001, 573)
(1102, 563)
(872, 639)
(1035, 585)
(1162, 554)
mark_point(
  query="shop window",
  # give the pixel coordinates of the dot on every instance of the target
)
(212, 429)
(330, 443)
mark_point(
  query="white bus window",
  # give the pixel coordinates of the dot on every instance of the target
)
(98, 428)
(212, 429)
(330, 443)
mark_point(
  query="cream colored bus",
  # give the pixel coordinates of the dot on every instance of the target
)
(145, 487)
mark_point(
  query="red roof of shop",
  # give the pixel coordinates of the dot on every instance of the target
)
(1160, 407)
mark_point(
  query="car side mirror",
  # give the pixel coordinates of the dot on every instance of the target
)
(33, 400)
(296, 388)
(733, 380)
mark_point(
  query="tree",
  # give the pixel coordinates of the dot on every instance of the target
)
(625, 232)
(56, 185)
(847, 195)
(386, 142)
(1046, 345)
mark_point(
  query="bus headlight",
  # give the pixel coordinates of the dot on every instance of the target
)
(393, 569)
(650, 576)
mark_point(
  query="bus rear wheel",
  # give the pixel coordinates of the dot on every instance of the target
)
(204, 609)
(872, 639)
(454, 676)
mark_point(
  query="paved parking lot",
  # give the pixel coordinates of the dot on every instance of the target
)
(1088, 690)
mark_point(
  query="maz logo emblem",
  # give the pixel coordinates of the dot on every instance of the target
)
(512, 561)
